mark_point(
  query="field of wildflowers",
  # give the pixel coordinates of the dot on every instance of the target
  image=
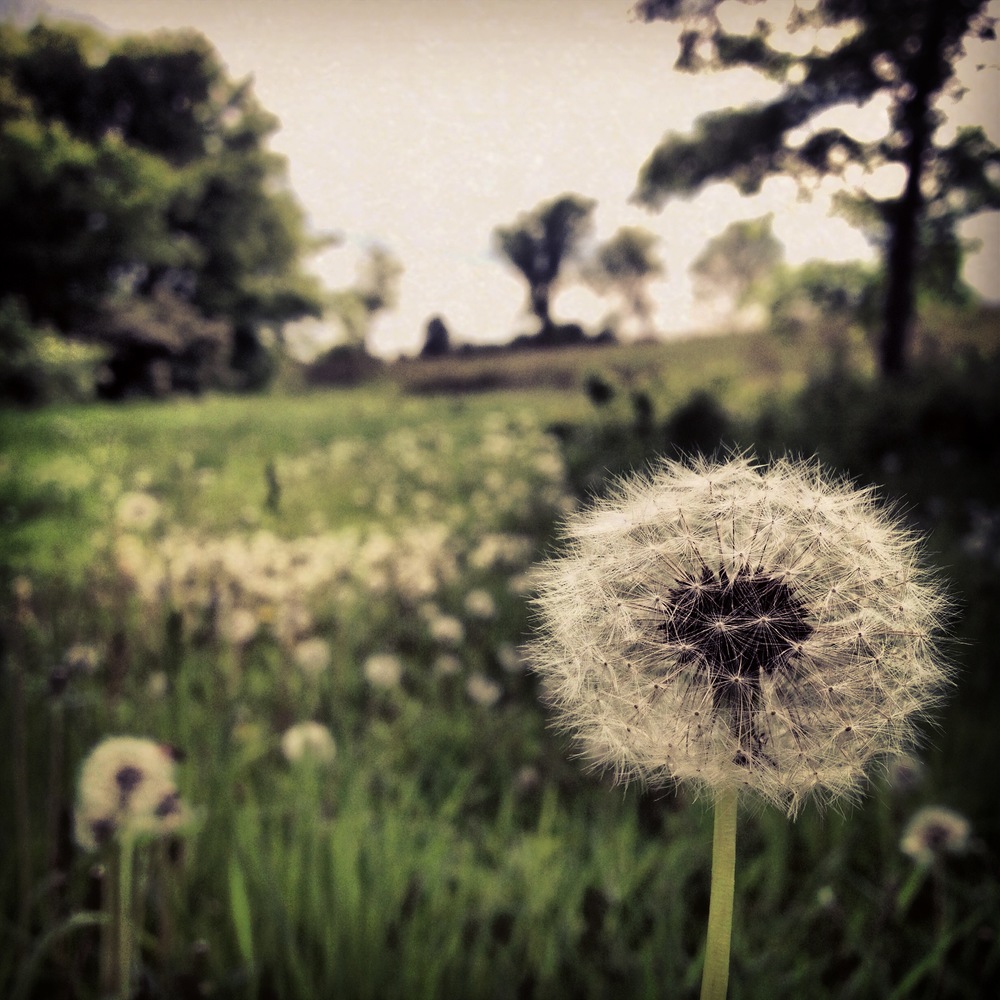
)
(270, 732)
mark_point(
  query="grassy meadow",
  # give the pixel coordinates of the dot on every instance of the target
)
(212, 573)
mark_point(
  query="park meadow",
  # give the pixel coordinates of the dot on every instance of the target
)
(317, 600)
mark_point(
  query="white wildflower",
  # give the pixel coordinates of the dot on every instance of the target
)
(739, 628)
(127, 785)
(480, 604)
(933, 831)
(308, 740)
(383, 670)
(312, 656)
(138, 511)
(447, 665)
(446, 629)
(482, 690)
(510, 658)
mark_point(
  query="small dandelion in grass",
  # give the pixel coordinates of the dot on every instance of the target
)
(447, 665)
(308, 741)
(933, 832)
(446, 630)
(240, 626)
(906, 773)
(127, 786)
(483, 691)
(312, 656)
(510, 659)
(138, 511)
(383, 671)
(766, 630)
(81, 659)
(480, 604)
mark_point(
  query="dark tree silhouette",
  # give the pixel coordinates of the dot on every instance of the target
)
(437, 340)
(905, 49)
(540, 242)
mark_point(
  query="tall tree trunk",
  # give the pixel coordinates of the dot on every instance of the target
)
(926, 78)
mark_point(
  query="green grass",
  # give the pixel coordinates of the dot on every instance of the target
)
(453, 847)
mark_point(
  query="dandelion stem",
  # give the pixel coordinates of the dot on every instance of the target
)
(126, 915)
(715, 976)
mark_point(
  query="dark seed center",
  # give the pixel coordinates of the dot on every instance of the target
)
(128, 779)
(733, 630)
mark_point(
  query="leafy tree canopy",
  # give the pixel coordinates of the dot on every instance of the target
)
(539, 243)
(736, 260)
(905, 50)
(626, 263)
(135, 169)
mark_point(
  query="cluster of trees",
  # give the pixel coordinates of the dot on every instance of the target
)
(143, 215)
(147, 225)
(904, 50)
(539, 243)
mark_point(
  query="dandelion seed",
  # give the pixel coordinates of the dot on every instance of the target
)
(308, 740)
(934, 831)
(740, 628)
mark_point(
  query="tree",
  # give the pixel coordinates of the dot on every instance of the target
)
(135, 169)
(540, 242)
(376, 290)
(437, 340)
(736, 262)
(626, 263)
(904, 49)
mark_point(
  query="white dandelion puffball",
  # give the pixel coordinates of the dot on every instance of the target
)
(127, 785)
(383, 670)
(307, 740)
(741, 628)
(933, 831)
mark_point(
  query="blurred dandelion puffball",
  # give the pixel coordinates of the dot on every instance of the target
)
(308, 740)
(933, 831)
(739, 628)
(127, 785)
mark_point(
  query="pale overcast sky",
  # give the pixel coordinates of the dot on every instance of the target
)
(422, 124)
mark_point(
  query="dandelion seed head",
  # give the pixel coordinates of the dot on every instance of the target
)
(483, 691)
(127, 785)
(308, 740)
(138, 511)
(479, 604)
(733, 626)
(383, 670)
(934, 831)
(312, 656)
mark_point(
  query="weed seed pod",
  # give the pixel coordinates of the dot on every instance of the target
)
(740, 628)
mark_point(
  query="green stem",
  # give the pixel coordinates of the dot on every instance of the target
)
(126, 930)
(715, 977)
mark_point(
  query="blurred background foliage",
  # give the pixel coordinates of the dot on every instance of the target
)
(143, 214)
